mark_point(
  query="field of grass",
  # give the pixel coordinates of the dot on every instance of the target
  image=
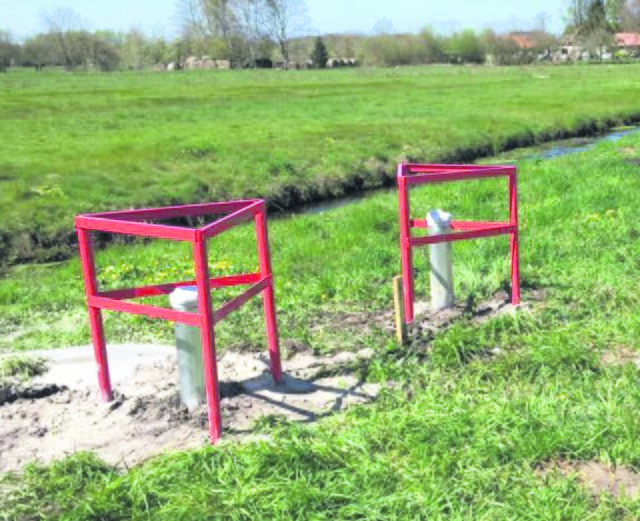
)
(75, 142)
(475, 414)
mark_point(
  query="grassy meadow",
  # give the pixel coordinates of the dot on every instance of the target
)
(475, 414)
(85, 142)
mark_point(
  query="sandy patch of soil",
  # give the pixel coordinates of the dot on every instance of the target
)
(621, 355)
(599, 477)
(60, 412)
(427, 321)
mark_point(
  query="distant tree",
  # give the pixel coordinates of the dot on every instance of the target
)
(598, 41)
(596, 32)
(543, 43)
(104, 55)
(577, 13)
(65, 26)
(9, 51)
(596, 18)
(156, 51)
(208, 20)
(320, 55)
(587, 17)
(403, 49)
(284, 20)
(432, 44)
(133, 50)
(542, 21)
(614, 9)
(630, 16)
(39, 51)
(250, 17)
(503, 50)
(466, 47)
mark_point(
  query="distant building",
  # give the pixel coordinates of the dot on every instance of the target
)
(629, 42)
(524, 40)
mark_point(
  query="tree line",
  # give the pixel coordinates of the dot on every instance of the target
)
(594, 23)
(264, 33)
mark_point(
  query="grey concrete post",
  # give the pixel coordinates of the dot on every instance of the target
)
(192, 390)
(440, 261)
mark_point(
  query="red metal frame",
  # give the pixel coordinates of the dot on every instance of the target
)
(415, 174)
(131, 222)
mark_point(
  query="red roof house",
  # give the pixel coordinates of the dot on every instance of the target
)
(628, 40)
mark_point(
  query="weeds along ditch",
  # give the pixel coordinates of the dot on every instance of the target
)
(86, 142)
(330, 265)
(475, 421)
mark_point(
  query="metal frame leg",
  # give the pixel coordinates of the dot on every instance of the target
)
(264, 257)
(208, 339)
(514, 245)
(95, 315)
(405, 251)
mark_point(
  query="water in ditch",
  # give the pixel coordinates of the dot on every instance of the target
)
(548, 151)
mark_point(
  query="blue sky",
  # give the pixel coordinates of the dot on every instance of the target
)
(24, 17)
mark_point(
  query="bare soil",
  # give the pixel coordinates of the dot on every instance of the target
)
(621, 355)
(60, 412)
(146, 417)
(428, 321)
(600, 478)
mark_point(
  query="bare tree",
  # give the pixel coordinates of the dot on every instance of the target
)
(8, 50)
(577, 12)
(133, 50)
(630, 16)
(541, 21)
(250, 17)
(284, 20)
(63, 24)
(210, 18)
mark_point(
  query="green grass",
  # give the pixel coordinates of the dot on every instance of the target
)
(463, 433)
(21, 367)
(75, 142)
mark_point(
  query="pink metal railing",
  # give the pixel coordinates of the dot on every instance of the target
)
(415, 174)
(130, 222)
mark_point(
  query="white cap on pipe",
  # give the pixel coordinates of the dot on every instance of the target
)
(184, 298)
(438, 219)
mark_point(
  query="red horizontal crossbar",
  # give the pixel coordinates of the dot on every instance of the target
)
(165, 289)
(113, 300)
(459, 225)
(190, 319)
(413, 168)
(230, 306)
(158, 231)
(454, 175)
(221, 225)
(170, 212)
(498, 229)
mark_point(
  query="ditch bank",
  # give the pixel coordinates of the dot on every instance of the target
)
(46, 244)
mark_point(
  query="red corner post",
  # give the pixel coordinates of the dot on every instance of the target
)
(264, 258)
(95, 314)
(209, 361)
(514, 245)
(405, 245)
